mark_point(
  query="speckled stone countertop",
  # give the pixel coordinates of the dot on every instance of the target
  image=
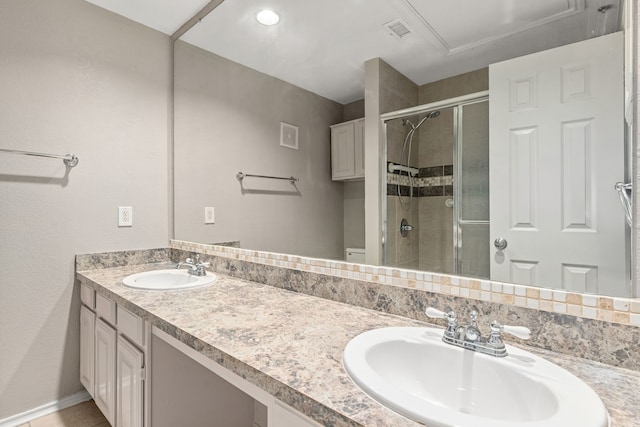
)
(290, 344)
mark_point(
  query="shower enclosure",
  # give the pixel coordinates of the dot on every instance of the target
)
(437, 187)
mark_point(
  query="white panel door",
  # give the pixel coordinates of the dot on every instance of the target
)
(87, 343)
(105, 369)
(556, 151)
(130, 365)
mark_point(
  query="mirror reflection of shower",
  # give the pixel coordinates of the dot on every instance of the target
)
(437, 192)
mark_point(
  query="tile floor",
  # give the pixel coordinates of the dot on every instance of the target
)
(85, 414)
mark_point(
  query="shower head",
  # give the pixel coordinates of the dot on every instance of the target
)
(430, 115)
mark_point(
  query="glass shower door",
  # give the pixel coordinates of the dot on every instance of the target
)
(471, 194)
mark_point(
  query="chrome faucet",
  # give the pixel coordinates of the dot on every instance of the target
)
(470, 337)
(196, 267)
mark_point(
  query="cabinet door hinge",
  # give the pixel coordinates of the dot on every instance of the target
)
(143, 373)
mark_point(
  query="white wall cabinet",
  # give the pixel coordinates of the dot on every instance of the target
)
(114, 356)
(347, 151)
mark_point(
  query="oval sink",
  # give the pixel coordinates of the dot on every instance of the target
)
(411, 371)
(167, 280)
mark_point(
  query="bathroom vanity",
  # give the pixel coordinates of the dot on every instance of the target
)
(281, 350)
(114, 355)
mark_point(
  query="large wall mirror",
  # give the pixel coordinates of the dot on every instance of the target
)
(260, 100)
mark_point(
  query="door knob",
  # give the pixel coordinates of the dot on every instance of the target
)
(500, 243)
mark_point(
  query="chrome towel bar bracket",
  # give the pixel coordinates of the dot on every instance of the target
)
(241, 175)
(69, 159)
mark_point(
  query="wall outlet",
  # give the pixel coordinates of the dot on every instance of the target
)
(125, 216)
(209, 215)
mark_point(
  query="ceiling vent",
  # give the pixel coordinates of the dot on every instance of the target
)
(398, 28)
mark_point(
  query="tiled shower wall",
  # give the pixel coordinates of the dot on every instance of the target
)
(430, 245)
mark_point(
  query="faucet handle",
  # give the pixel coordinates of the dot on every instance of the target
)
(451, 318)
(521, 332)
(434, 313)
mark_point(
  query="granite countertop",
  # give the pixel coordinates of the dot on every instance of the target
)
(290, 344)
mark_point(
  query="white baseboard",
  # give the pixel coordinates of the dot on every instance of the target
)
(46, 409)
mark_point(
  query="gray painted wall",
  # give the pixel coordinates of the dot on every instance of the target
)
(73, 78)
(354, 214)
(227, 119)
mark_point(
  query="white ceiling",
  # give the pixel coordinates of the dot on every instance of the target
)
(163, 15)
(322, 45)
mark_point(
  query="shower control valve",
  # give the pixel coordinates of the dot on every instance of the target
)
(405, 227)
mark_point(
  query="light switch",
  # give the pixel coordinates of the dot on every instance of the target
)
(125, 216)
(209, 215)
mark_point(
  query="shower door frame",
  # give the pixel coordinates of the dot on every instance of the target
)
(459, 101)
(458, 136)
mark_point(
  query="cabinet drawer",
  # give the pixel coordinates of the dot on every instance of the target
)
(88, 296)
(131, 326)
(106, 309)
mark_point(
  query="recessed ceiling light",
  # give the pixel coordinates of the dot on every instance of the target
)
(267, 17)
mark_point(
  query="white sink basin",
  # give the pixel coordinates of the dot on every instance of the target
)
(411, 371)
(167, 280)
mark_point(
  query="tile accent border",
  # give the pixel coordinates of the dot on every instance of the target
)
(407, 293)
(431, 181)
(624, 311)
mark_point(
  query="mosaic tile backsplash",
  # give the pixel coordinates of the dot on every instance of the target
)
(599, 328)
(430, 181)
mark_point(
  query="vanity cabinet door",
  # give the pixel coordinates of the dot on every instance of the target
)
(87, 347)
(105, 369)
(130, 385)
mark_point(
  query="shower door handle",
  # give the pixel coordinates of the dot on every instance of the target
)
(500, 243)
